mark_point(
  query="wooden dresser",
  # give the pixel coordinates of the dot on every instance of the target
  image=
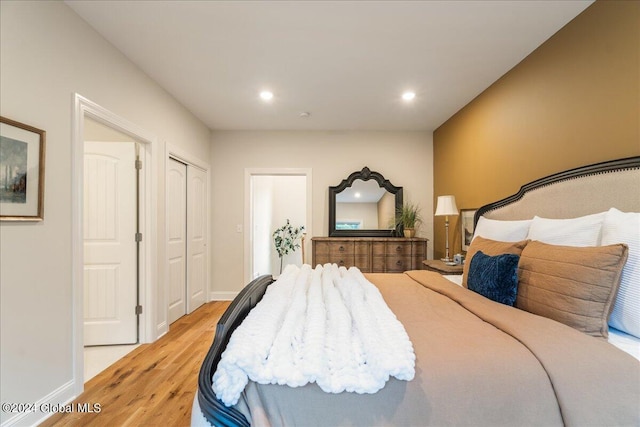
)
(371, 254)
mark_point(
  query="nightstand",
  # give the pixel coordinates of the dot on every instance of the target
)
(440, 267)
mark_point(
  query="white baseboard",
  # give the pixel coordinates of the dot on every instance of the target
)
(222, 296)
(54, 402)
(161, 329)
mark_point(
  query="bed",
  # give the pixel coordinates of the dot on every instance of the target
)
(553, 360)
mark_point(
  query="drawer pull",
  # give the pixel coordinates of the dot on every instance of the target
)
(341, 262)
(399, 263)
(398, 248)
(341, 248)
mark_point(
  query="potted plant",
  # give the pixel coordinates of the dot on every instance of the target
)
(285, 239)
(408, 218)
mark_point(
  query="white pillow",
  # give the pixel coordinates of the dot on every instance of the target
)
(502, 231)
(581, 231)
(620, 227)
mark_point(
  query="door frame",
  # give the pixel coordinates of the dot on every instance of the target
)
(248, 234)
(191, 161)
(82, 108)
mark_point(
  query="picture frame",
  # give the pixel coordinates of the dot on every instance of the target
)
(22, 155)
(467, 227)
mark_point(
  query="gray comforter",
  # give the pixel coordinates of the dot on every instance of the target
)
(478, 363)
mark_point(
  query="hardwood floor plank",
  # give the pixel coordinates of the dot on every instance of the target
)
(154, 385)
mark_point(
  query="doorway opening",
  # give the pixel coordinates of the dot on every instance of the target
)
(110, 213)
(110, 227)
(273, 197)
(116, 141)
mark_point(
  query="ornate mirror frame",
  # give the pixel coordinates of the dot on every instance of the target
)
(365, 174)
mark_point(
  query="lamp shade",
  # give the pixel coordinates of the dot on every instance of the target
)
(446, 206)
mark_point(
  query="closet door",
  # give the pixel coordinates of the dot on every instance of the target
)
(196, 237)
(177, 238)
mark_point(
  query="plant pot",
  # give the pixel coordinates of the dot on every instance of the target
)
(409, 232)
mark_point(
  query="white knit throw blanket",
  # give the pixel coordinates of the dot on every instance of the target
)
(326, 325)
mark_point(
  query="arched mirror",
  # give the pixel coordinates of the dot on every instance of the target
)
(363, 205)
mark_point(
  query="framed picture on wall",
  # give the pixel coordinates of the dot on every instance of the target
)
(21, 171)
(467, 227)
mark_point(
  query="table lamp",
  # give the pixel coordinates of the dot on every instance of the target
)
(446, 206)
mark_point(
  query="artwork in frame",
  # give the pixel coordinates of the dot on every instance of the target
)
(21, 171)
(467, 227)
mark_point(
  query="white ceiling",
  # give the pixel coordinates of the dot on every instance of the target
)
(345, 62)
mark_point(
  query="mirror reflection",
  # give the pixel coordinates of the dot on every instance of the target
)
(365, 206)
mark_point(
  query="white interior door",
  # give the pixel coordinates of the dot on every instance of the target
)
(110, 252)
(177, 238)
(196, 237)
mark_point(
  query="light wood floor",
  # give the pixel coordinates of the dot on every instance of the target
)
(154, 385)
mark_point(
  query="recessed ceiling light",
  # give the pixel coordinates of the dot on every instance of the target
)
(266, 95)
(357, 195)
(408, 96)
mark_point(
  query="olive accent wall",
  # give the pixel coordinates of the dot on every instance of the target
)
(573, 101)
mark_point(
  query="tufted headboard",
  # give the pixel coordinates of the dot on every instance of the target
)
(576, 192)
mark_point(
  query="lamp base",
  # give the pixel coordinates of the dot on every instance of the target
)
(446, 259)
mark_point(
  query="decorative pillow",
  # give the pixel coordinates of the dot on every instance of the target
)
(504, 231)
(495, 277)
(621, 227)
(573, 285)
(492, 248)
(581, 231)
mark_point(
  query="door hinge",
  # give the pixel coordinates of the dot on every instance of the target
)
(138, 309)
(138, 237)
(138, 164)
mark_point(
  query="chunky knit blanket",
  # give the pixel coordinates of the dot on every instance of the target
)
(326, 325)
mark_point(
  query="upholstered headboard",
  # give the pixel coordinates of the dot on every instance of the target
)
(576, 192)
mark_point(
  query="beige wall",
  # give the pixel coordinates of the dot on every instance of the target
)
(405, 158)
(47, 54)
(574, 101)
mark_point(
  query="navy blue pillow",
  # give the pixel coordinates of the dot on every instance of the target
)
(495, 277)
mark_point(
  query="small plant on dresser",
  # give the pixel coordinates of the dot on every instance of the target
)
(408, 218)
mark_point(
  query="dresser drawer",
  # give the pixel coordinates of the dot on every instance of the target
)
(399, 248)
(344, 261)
(337, 249)
(398, 264)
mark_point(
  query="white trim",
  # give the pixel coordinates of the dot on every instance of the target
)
(64, 394)
(248, 232)
(222, 296)
(82, 107)
(184, 157)
(162, 328)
